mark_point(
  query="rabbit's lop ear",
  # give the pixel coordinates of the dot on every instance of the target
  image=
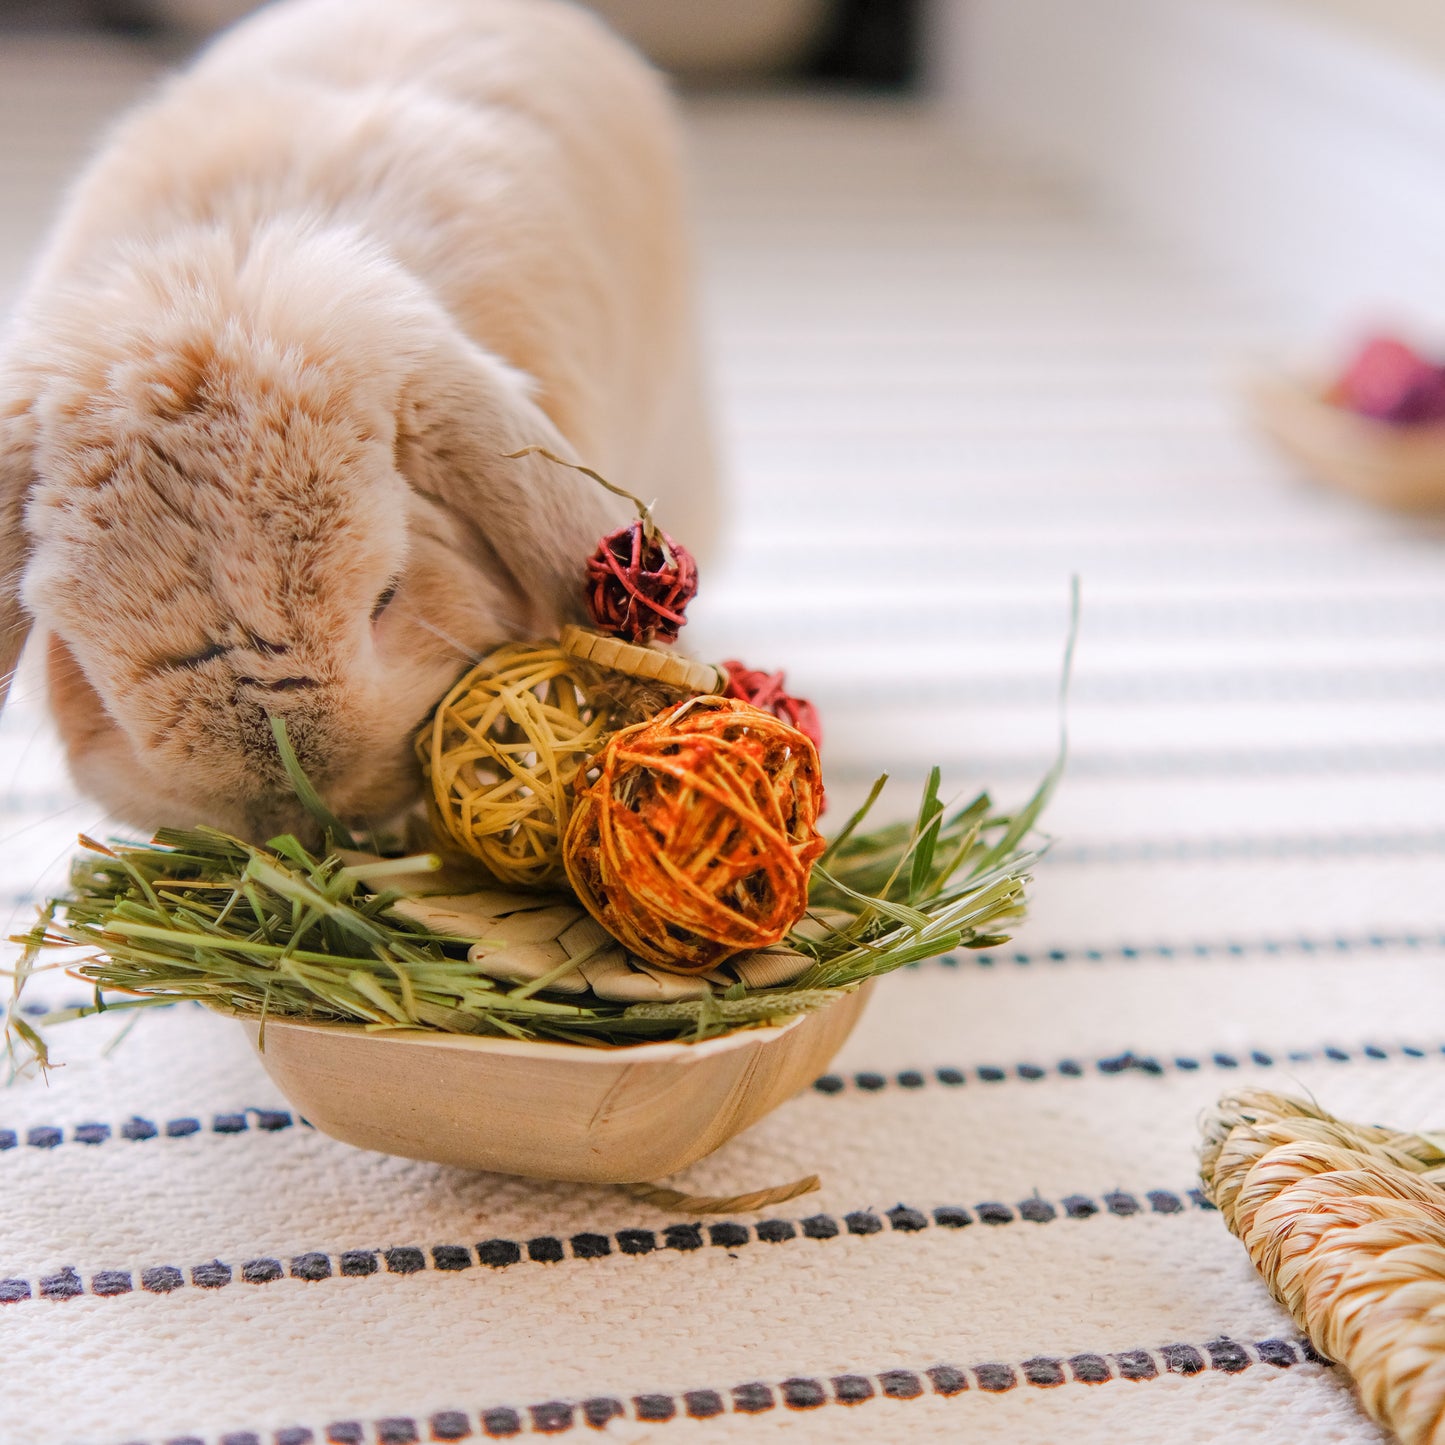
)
(459, 417)
(16, 475)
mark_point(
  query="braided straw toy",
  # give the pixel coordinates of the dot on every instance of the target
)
(696, 839)
(1346, 1224)
(500, 754)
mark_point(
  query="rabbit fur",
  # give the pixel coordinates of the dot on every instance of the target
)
(255, 402)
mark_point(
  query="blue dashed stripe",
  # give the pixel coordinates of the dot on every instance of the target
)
(1284, 847)
(1207, 688)
(315, 1266)
(1298, 947)
(1181, 763)
(1128, 1063)
(137, 1130)
(798, 1394)
(44, 1137)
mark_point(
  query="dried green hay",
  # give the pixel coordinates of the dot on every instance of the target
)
(276, 931)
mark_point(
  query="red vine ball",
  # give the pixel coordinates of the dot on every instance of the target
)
(768, 691)
(639, 582)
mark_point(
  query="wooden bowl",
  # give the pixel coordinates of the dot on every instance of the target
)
(1396, 466)
(547, 1111)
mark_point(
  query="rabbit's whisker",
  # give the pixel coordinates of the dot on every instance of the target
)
(52, 670)
(469, 653)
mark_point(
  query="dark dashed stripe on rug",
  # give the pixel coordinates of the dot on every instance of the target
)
(1337, 945)
(1286, 847)
(1157, 686)
(1361, 612)
(273, 1121)
(800, 1393)
(138, 1130)
(315, 1266)
(1180, 763)
(1120, 1065)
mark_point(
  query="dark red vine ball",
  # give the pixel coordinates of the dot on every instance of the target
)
(768, 691)
(639, 584)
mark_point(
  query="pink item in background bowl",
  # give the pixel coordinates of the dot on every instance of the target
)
(1390, 381)
(1393, 465)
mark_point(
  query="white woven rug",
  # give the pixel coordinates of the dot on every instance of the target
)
(946, 386)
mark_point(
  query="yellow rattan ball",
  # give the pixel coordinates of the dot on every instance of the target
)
(500, 755)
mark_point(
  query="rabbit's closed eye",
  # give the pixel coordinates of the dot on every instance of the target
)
(384, 599)
(198, 659)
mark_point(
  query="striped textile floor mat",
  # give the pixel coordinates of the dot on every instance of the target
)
(946, 385)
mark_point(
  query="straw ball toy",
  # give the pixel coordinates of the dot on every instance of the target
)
(500, 754)
(696, 839)
(504, 748)
(639, 582)
(1346, 1224)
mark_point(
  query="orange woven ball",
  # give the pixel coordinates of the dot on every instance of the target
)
(697, 836)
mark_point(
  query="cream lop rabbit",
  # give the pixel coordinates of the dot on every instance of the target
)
(255, 402)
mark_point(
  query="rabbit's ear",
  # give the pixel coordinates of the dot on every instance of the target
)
(16, 476)
(458, 419)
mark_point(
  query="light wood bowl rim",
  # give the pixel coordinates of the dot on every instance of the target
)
(1307, 390)
(657, 1052)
